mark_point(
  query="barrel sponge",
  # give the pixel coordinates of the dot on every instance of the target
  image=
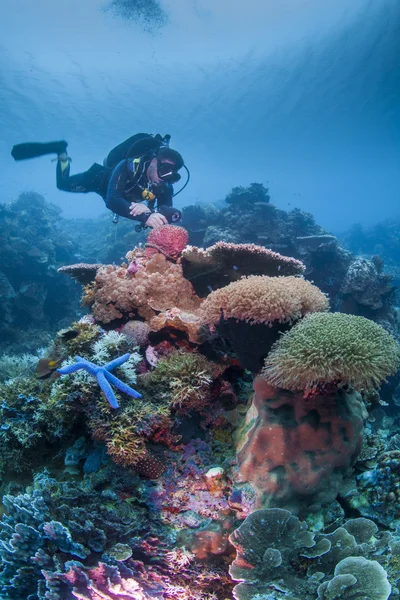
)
(262, 299)
(332, 348)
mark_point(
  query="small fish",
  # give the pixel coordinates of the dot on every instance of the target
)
(279, 267)
(210, 288)
(46, 367)
(235, 268)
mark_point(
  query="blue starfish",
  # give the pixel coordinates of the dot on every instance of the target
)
(103, 376)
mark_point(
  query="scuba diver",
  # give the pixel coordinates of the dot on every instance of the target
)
(142, 168)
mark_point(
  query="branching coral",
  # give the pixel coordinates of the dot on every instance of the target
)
(332, 348)
(259, 299)
(17, 366)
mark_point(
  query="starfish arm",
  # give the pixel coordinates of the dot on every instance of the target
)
(70, 369)
(87, 365)
(117, 362)
(106, 388)
(121, 386)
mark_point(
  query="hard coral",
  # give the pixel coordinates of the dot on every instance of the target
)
(261, 299)
(275, 551)
(177, 321)
(332, 348)
(225, 262)
(295, 451)
(137, 332)
(169, 240)
(82, 273)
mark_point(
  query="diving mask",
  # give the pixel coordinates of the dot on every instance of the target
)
(167, 172)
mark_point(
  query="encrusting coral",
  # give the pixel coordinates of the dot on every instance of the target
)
(332, 348)
(278, 557)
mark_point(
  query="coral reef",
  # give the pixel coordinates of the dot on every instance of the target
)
(33, 294)
(54, 522)
(251, 313)
(327, 349)
(277, 555)
(295, 234)
(149, 495)
(296, 451)
(224, 263)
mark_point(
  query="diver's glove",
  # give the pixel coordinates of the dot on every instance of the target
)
(171, 214)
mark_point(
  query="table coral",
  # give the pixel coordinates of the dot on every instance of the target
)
(225, 262)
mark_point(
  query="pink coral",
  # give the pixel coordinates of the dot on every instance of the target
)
(176, 321)
(169, 240)
(262, 299)
(295, 450)
(159, 285)
(137, 332)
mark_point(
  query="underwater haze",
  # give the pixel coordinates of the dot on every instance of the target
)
(199, 393)
(301, 95)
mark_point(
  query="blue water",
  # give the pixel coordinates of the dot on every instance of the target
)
(304, 96)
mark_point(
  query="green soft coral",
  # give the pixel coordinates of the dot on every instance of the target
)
(332, 348)
(183, 379)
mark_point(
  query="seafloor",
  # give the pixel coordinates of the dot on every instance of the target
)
(205, 412)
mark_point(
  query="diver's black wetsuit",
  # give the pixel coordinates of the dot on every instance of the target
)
(121, 181)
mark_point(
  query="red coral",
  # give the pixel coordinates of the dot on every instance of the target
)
(294, 450)
(169, 240)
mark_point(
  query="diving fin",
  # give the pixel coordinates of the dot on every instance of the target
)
(35, 149)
